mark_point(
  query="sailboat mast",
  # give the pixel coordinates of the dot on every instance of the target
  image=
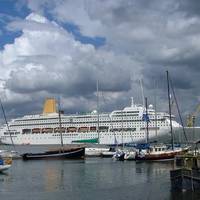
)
(97, 110)
(60, 123)
(170, 114)
(142, 91)
(122, 130)
(4, 115)
(147, 120)
(156, 124)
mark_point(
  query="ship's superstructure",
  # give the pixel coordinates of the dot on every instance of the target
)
(120, 126)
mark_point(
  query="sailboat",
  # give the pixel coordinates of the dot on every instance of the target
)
(159, 152)
(60, 153)
(5, 154)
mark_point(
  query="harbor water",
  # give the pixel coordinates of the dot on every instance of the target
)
(89, 179)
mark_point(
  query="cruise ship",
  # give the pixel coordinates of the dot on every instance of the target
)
(117, 127)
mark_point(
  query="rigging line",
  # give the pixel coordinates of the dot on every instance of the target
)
(179, 113)
(104, 99)
(170, 114)
(4, 115)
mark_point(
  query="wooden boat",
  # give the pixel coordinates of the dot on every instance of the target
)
(61, 153)
(159, 153)
(72, 153)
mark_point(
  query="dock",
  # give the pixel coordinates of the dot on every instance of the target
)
(185, 179)
(187, 174)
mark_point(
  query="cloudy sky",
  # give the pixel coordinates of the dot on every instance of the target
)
(60, 48)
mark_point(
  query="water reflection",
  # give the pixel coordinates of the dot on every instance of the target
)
(54, 177)
(93, 178)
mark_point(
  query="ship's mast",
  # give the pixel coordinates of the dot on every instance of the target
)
(4, 115)
(170, 114)
(156, 121)
(97, 109)
(147, 121)
(122, 129)
(60, 123)
(142, 91)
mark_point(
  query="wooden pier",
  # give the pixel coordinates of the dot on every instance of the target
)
(187, 177)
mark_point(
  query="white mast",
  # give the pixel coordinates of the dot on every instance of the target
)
(132, 102)
(60, 123)
(142, 91)
(98, 110)
(156, 124)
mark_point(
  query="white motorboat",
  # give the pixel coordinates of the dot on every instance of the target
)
(95, 151)
(130, 155)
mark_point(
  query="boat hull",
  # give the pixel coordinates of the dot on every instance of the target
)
(106, 138)
(4, 167)
(52, 155)
(158, 157)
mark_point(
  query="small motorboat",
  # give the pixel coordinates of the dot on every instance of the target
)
(7, 153)
(95, 151)
(130, 155)
(119, 155)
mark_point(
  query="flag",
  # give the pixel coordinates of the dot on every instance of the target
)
(145, 118)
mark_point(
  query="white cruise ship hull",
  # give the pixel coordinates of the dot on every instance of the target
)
(128, 125)
(108, 138)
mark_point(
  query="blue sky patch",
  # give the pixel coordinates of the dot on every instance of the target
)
(9, 10)
(95, 41)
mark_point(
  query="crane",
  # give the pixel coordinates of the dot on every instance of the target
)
(192, 117)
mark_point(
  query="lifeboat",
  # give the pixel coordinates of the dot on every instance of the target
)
(47, 130)
(93, 128)
(26, 131)
(103, 128)
(71, 129)
(83, 129)
(57, 129)
(36, 130)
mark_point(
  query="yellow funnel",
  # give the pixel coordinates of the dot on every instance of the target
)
(49, 106)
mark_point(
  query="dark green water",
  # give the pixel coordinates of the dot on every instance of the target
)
(90, 179)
